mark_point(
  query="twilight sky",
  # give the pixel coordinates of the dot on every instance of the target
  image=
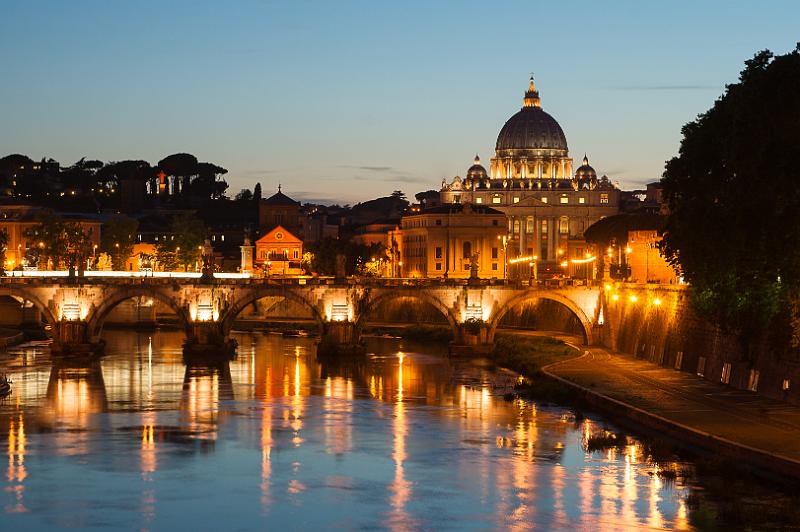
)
(344, 101)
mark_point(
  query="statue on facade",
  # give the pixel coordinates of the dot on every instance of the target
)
(473, 265)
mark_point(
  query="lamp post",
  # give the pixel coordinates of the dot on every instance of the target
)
(504, 239)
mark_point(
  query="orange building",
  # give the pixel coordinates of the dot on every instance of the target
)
(279, 252)
(644, 258)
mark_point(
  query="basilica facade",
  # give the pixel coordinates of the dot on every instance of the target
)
(531, 180)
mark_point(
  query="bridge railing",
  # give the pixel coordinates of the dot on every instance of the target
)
(229, 280)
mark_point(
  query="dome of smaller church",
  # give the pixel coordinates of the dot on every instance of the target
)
(585, 171)
(476, 171)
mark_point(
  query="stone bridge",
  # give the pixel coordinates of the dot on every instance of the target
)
(76, 308)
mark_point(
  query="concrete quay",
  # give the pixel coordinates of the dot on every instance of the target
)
(741, 425)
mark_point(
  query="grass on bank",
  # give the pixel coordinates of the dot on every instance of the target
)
(429, 333)
(527, 355)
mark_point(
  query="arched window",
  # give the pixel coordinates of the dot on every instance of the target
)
(467, 248)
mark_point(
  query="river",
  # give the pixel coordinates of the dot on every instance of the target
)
(406, 439)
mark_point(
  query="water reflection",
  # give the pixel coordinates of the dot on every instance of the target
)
(404, 439)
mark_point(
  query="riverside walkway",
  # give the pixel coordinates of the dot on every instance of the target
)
(737, 423)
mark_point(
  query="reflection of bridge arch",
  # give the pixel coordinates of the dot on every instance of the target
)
(586, 323)
(25, 295)
(98, 316)
(260, 293)
(420, 295)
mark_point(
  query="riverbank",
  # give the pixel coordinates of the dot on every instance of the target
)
(741, 426)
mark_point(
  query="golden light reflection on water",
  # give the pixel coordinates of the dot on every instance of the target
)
(16, 472)
(513, 455)
(400, 487)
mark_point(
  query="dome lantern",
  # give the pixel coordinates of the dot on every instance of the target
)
(531, 96)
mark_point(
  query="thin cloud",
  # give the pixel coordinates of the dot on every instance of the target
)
(368, 168)
(392, 179)
(666, 87)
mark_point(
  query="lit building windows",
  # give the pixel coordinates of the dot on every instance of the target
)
(603, 198)
(516, 199)
(496, 199)
(564, 199)
(726, 373)
(581, 200)
(529, 224)
(544, 199)
(479, 200)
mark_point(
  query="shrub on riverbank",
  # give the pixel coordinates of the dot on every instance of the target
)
(527, 355)
(430, 333)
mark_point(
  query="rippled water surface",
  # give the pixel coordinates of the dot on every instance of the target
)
(407, 439)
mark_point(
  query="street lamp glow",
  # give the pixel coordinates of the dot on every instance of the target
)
(656, 302)
(633, 299)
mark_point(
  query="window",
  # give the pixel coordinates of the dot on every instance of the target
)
(564, 199)
(438, 222)
(495, 252)
(544, 199)
(496, 199)
(701, 366)
(516, 199)
(529, 224)
(466, 250)
(516, 226)
(478, 200)
(785, 385)
(726, 373)
(494, 266)
(438, 265)
(678, 360)
(457, 198)
(438, 252)
(222, 237)
(581, 200)
(752, 382)
(494, 222)
(603, 198)
(296, 254)
(563, 225)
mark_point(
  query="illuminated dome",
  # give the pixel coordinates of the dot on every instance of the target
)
(477, 171)
(585, 171)
(531, 130)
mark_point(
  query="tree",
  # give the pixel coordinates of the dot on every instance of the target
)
(257, 192)
(118, 238)
(244, 195)
(734, 193)
(64, 243)
(189, 233)
(323, 258)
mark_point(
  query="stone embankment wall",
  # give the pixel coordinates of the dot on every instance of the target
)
(657, 323)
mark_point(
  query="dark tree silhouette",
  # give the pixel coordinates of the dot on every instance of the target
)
(734, 196)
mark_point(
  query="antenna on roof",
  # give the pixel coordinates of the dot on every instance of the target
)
(279, 187)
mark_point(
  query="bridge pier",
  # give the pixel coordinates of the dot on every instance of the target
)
(206, 342)
(472, 338)
(340, 338)
(71, 338)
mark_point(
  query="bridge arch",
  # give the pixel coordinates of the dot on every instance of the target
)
(255, 294)
(585, 321)
(26, 295)
(98, 315)
(375, 299)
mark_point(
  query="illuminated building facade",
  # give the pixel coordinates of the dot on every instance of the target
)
(531, 180)
(443, 241)
(279, 252)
